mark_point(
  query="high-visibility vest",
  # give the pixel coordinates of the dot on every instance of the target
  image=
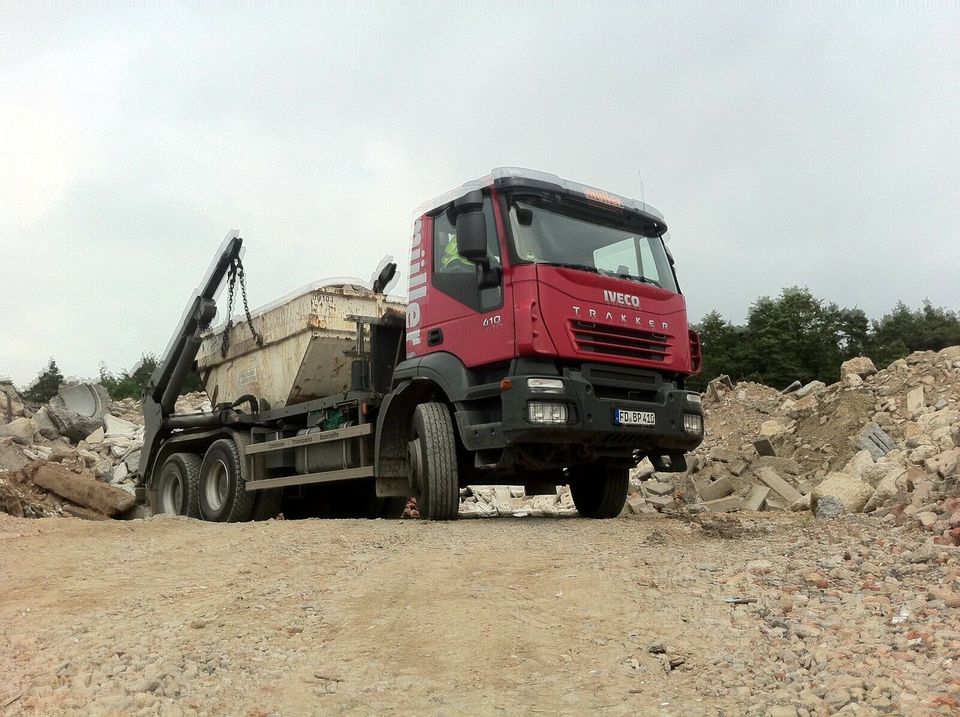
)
(451, 254)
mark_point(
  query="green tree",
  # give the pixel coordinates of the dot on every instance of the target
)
(792, 337)
(722, 347)
(46, 384)
(130, 384)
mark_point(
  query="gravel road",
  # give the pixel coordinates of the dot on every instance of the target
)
(173, 616)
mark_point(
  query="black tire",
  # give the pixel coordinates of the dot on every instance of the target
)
(223, 498)
(178, 486)
(599, 491)
(267, 504)
(433, 462)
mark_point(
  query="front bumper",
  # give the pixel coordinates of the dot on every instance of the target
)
(592, 399)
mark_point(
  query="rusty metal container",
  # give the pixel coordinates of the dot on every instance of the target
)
(308, 346)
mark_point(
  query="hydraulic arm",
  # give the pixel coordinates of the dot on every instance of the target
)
(160, 394)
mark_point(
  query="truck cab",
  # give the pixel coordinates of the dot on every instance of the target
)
(547, 316)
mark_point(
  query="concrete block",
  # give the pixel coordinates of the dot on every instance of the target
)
(756, 497)
(764, 447)
(716, 489)
(655, 487)
(661, 501)
(739, 467)
(778, 485)
(723, 505)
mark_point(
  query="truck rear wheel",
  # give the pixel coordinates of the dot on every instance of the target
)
(433, 462)
(178, 487)
(599, 491)
(223, 497)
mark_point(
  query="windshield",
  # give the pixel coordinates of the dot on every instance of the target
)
(545, 236)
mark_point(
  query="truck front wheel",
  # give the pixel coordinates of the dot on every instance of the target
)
(223, 495)
(178, 486)
(433, 462)
(599, 491)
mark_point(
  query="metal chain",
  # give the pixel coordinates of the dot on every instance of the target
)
(225, 342)
(236, 270)
(246, 307)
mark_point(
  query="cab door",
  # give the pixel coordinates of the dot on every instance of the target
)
(472, 323)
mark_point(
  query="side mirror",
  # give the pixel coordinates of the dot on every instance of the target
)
(471, 227)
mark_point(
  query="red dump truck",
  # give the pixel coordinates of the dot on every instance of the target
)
(543, 341)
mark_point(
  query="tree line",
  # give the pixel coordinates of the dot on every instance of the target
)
(128, 383)
(797, 336)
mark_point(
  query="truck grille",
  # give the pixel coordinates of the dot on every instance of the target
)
(620, 341)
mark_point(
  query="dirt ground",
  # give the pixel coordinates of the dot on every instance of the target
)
(174, 616)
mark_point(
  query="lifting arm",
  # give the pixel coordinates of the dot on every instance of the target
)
(160, 394)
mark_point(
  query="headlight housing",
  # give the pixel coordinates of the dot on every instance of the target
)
(693, 423)
(549, 412)
(545, 385)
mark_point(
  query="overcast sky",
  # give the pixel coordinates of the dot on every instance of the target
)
(813, 145)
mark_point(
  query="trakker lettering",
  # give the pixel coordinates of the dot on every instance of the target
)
(622, 318)
(418, 287)
(615, 297)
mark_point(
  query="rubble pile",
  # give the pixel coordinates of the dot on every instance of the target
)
(50, 453)
(885, 442)
(491, 501)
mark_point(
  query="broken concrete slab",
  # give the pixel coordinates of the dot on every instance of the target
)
(21, 430)
(778, 485)
(635, 504)
(914, 400)
(723, 505)
(84, 490)
(756, 497)
(661, 501)
(783, 466)
(740, 466)
(656, 487)
(852, 492)
(809, 388)
(45, 425)
(724, 455)
(715, 489)
(764, 447)
(862, 366)
(874, 439)
(791, 388)
(78, 410)
(113, 426)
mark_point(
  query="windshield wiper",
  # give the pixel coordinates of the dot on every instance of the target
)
(582, 267)
(641, 279)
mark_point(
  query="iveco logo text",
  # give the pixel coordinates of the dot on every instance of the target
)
(615, 297)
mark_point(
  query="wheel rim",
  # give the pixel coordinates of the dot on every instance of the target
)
(216, 485)
(171, 494)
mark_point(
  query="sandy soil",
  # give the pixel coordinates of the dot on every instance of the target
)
(506, 616)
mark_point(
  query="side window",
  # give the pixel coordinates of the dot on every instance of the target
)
(457, 277)
(446, 258)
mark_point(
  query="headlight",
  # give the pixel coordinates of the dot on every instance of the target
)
(545, 385)
(692, 423)
(547, 412)
(694, 398)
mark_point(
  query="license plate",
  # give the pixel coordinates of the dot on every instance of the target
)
(634, 418)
